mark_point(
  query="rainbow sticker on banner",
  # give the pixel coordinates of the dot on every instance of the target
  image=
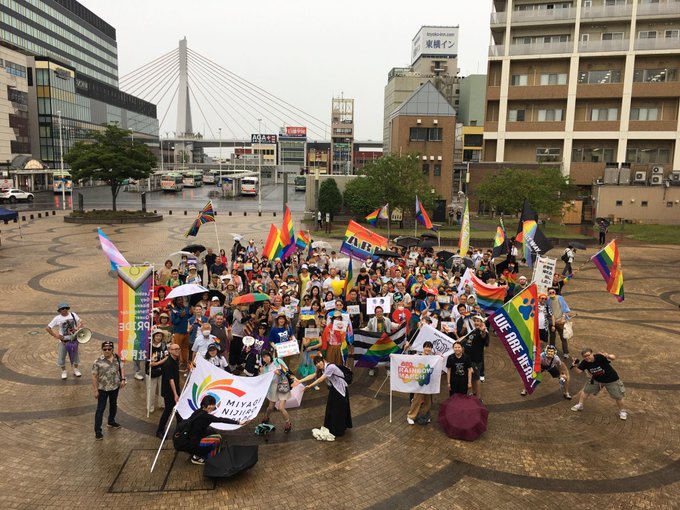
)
(135, 299)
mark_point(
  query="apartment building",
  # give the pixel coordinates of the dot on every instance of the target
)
(590, 84)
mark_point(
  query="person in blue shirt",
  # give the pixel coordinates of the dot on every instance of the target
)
(281, 332)
(179, 316)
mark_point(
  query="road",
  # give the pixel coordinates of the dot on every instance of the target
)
(189, 199)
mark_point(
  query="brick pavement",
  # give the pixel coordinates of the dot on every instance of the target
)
(536, 452)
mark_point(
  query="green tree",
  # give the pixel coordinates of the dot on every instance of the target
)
(330, 198)
(391, 179)
(112, 157)
(547, 190)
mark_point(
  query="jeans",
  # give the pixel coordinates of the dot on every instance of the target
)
(112, 397)
(61, 355)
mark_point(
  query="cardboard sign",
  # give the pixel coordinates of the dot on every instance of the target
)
(312, 333)
(385, 302)
(448, 327)
(214, 310)
(329, 305)
(289, 348)
(443, 299)
(544, 270)
(353, 309)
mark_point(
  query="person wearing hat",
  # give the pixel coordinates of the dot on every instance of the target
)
(154, 367)
(193, 276)
(108, 376)
(213, 356)
(63, 327)
(215, 283)
(551, 363)
(251, 249)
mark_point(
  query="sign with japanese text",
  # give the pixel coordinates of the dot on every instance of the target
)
(297, 131)
(263, 139)
(435, 41)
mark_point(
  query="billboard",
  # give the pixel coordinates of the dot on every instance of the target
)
(297, 131)
(435, 41)
(263, 139)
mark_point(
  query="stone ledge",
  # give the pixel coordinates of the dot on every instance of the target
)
(114, 221)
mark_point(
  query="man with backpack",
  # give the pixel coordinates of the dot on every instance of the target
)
(568, 259)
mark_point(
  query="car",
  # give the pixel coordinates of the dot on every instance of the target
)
(13, 194)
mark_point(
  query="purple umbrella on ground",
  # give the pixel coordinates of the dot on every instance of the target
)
(463, 417)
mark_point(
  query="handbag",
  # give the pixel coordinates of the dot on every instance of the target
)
(568, 330)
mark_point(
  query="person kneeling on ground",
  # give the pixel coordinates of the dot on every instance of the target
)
(551, 363)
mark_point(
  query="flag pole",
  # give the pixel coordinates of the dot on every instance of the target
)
(147, 377)
(219, 248)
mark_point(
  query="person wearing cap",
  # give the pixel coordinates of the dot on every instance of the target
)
(474, 345)
(108, 376)
(522, 283)
(213, 356)
(551, 363)
(63, 327)
(154, 367)
(332, 338)
(193, 276)
(215, 283)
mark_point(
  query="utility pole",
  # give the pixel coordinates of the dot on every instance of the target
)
(61, 161)
(259, 168)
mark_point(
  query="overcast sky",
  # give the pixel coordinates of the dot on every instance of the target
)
(304, 52)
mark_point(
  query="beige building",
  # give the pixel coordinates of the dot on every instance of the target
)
(14, 131)
(641, 204)
(591, 84)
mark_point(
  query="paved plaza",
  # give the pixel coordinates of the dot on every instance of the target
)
(535, 454)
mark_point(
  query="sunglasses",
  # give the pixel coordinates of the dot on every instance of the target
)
(107, 349)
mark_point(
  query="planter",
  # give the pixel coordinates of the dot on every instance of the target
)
(113, 219)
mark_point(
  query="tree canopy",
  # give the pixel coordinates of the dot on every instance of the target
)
(330, 198)
(391, 179)
(547, 190)
(112, 157)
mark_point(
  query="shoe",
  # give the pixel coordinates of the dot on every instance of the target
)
(371, 372)
(64, 375)
(481, 378)
(577, 407)
(76, 372)
(288, 427)
(265, 419)
(565, 355)
(523, 393)
(98, 436)
(199, 461)
(623, 415)
(410, 421)
(317, 388)
(139, 376)
(159, 435)
(113, 425)
(567, 396)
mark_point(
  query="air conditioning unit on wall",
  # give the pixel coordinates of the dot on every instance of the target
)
(675, 178)
(640, 178)
(656, 180)
(657, 170)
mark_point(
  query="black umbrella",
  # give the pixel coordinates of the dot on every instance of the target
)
(445, 255)
(603, 220)
(468, 262)
(427, 242)
(578, 245)
(386, 253)
(194, 247)
(406, 241)
(429, 234)
(213, 292)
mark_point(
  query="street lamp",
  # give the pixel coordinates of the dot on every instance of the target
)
(220, 163)
(259, 167)
(61, 162)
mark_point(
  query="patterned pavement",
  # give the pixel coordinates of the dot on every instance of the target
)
(535, 454)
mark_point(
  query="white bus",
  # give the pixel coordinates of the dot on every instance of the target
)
(209, 176)
(249, 186)
(193, 179)
(62, 180)
(172, 182)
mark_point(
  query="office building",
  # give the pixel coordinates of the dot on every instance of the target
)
(293, 147)
(318, 157)
(589, 84)
(342, 136)
(365, 152)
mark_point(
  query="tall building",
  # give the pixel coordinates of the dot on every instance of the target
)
(293, 147)
(590, 84)
(434, 52)
(342, 136)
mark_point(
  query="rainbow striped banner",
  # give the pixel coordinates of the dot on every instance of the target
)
(360, 242)
(379, 352)
(608, 261)
(489, 298)
(135, 300)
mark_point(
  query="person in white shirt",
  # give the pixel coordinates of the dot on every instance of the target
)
(63, 327)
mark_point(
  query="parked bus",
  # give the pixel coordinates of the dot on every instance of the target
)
(172, 182)
(300, 183)
(61, 179)
(193, 179)
(249, 186)
(209, 176)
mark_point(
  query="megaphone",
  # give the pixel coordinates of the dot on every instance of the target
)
(83, 335)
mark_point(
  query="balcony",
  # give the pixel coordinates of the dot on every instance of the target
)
(493, 93)
(656, 10)
(534, 126)
(498, 18)
(530, 92)
(597, 125)
(599, 90)
(660, 43)
(653, 125)
(541, 48)
(543, 15)
(607, 12)
(656, 89)
(604, 46)
(497, 50)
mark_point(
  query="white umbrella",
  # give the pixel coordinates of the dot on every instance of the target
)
(179, 254)
(187, 289)
(322, 244)
(237, 237)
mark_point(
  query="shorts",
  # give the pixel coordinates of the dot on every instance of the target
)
(554, 371)
(615, 389)
(476, 367)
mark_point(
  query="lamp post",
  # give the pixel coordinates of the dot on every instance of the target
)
(220, 163)
(259, 168)
(61, 163)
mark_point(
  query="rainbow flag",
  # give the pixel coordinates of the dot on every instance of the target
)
(272, 246)
(287, 234)
(379, 352)
(516, 325)
(500, 241)
(489, 298)
(135, 299)
(302, 240)
(206, 215)
(529, 229)
(361, 242)
(421, 215)
(608, 261)
(116, 259)
(511, 278)
(372, 218)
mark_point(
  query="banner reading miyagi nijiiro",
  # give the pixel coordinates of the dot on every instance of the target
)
(238, 398)
(135, 299)
(360, 242)
(415, 373)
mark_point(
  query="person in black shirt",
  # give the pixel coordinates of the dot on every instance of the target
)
(459, 373)
(474, 347)
(170, 388)
(602, 375)
(202, 445)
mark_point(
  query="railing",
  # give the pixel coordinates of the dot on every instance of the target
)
(496, 50)
(541, 48)
(607, 11)
(498, 18)
(658, 9)
(599, 46)
(544, 15)
(661, 43)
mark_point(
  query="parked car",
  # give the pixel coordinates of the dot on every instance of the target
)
(14, 194)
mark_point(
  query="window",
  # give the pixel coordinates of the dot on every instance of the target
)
(647, 156)
(516, 115)
(615, 2)
(600, 77)
(587, 3)
(604, 114)
(519, 80)
(669, 204)
(643, 203)
(584, 37)
(548, 154)
(554, 79)
(592, 154)
(654, 75)
(473, 140)
(612, 36)
(644, 114)
(672, 34)
(552, 115)
(619, 203)
(437, 170)
(647, 34)
(426, 169)
(417, 134)
(434, 134)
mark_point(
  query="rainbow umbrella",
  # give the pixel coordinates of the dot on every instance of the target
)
(254, 297)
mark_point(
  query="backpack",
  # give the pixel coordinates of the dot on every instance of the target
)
(181, 438)
(347, 374)
(565, 257)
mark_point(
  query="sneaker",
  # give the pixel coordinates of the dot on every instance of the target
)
(288, 427)
(371, 372)
(481, 378)
(410, 421)
(317, 388)
(317, 434)
(76, 372)
(565, 355)
(199, 461)
(623, 415)
(139, 376)
(98, 436)
(567, 396)
(523, 393)
(64, 375)
(577, 407)
(113, 425)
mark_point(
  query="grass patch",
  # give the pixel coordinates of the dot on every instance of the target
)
(652, 234)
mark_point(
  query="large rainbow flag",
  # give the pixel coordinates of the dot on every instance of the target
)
(608, 262)
(116, 259)
(379, 352)
(135, 300)
(206, 215)
(302, 240)
(361, 242)
(489, 298)
(272, 246)
(500, 241)
(421, 215)
(287, 234)
(516, 325)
